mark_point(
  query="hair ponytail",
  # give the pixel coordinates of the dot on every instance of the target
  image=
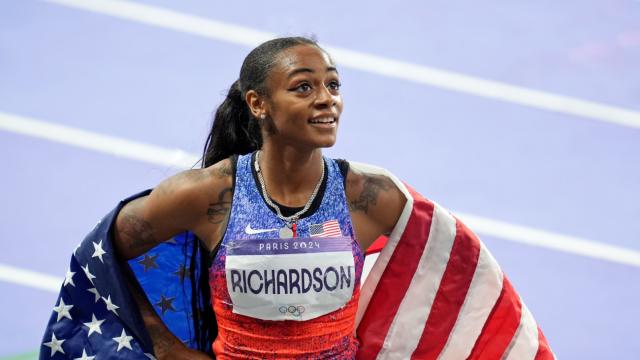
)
(234, 130)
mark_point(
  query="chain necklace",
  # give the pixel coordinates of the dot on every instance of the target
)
(289, 230)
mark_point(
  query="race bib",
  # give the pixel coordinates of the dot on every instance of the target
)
(289, 279)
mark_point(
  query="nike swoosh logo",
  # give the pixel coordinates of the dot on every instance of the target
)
(251, 231)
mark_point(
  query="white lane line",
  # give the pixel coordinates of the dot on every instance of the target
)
(178, 158)
(169, 19)
(30, 278)
(545, 239)
(93, 141)
(486, 88)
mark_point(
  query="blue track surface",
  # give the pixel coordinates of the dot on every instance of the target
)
(523, 165)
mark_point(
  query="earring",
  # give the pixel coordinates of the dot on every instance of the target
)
(263, 116)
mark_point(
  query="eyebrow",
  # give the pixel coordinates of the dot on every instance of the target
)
(301, 70)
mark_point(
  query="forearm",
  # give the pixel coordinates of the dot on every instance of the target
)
(163, 340)
(165, 344)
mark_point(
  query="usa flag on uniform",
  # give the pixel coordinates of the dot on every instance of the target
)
(327, 228)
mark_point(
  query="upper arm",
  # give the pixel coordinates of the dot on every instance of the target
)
(375, 203)
(191, 200)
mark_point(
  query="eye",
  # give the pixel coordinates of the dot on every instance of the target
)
(334, 85)
(304, 87)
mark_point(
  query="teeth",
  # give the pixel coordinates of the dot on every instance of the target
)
(325, 120)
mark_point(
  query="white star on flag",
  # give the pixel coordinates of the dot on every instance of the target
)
(94, 325)
(84, 356)
(123, 341)
(55, 344)
(63, 310)
(68, 278)
(94, 291)
(88, 273)
(98, 252)
(110, 306)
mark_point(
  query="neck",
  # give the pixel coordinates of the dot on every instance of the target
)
(290, 175)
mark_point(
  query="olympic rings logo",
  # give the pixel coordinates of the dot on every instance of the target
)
(291, 309)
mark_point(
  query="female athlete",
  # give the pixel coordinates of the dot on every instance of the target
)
(286, 225)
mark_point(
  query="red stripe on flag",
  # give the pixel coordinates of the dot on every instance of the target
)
(377, 245)
(396, 278)
(331, 228)
(451, 294)
(544, 351)
(501, 325)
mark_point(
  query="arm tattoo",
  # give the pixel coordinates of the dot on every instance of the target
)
(217, 212)
(139, 232)
(369, 194)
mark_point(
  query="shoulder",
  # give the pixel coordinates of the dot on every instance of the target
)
(367, 185)
(181, 202)
(373, 190)
(195, 185)
(375, 201)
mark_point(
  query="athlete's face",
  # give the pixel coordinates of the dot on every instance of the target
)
(305, 102)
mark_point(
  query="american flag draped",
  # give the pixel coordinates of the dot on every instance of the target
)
(434, 292)
(95, 316)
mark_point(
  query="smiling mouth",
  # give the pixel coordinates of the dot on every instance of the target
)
(324, 120)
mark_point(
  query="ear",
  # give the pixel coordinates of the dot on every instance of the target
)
(257, 104)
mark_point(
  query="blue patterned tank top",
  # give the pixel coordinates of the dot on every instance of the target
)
(286, 298)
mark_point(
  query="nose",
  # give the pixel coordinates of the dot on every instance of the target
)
(325, 98)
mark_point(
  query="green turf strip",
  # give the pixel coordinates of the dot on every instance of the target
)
(32, 355)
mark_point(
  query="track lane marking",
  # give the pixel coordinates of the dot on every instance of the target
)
(443, 79)
(107, 144)
(30, 278)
